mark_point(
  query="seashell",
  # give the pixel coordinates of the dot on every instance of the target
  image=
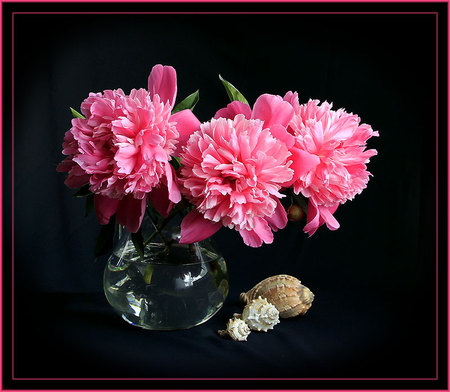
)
(260, 315)
(237, 329)
(285, 292)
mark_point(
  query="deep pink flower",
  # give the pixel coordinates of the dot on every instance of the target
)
(233, 170)
(329, 158)
(318, 215)
(123, 147)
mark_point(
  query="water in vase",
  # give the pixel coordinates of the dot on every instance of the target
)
(172, 288)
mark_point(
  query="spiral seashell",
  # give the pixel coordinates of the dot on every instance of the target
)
(237, 329)
(260, 315)
(285, 292)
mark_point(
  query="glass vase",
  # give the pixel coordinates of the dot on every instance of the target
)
(174, 286)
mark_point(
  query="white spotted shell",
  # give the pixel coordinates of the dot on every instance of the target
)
(285, 292)
(260, 315)
(237, 329)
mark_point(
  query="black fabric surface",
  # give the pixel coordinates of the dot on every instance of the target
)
(374, 279)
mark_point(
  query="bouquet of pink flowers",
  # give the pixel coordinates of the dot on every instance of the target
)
(130, 152)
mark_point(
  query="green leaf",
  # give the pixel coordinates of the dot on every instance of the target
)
(83, 191)
(89, 206)
(138, 242)
(178, 159)
(175, 162)
(105, 238)
(187, 103)
(75, 114)
(233, 92)
(148, 273)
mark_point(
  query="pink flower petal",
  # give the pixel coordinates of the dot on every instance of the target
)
(279, 218)
(292, 98)
(194, 228)
(262, 229)
(234, 108)
(272, 110)
(102, 109)
(130, 213)
(260, 233)
(187, 124)
(279, 132)
(318, 215)
(326, 216)
(105, 208)
(312, 219)
(159, 199)
(77, 176)
(172, 186)
(76, 181)
(251, 238)
(163, 81)
(303, 161)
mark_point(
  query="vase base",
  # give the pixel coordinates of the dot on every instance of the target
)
(160, 327)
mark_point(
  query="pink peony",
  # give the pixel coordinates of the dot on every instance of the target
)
(233, 169)
(330, 157)
(123, 148)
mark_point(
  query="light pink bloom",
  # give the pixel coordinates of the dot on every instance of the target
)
(233, 170)
(329, 158)
(123, 148)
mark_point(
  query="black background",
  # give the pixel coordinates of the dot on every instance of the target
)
(374, 316)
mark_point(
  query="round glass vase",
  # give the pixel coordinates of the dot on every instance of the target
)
(174, 286)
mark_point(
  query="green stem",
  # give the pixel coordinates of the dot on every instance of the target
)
(153, 235)
(157, 230)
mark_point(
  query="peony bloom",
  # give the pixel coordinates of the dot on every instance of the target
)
(123, 148)
(233, 169)
(331, 148)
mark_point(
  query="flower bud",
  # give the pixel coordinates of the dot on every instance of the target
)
(295, 213)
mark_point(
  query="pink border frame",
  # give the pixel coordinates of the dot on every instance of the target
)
(257, 13)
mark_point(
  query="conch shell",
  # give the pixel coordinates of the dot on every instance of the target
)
(285, 292)
(237, 329)
(260, 315)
